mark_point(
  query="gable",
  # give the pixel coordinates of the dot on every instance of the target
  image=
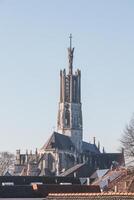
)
(59, 141)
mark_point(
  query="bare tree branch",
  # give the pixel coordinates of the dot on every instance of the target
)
(127, 139)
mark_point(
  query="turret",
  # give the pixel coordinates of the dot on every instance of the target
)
(18, 157)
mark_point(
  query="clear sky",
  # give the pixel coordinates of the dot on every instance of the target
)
(33, 48)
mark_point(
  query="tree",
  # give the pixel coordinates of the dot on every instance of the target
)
(127, 140)
(6, 162)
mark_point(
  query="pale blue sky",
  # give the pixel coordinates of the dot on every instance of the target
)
(33, 49)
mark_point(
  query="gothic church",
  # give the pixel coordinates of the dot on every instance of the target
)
(65, 148)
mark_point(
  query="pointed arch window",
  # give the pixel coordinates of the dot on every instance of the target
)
(67, 118)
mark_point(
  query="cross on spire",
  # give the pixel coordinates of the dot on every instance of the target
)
(70, 37)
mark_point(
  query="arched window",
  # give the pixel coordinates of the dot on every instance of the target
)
(67, 117)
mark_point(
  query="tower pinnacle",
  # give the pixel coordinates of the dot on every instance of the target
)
(69, 121)
(70, 41)
(70, 55)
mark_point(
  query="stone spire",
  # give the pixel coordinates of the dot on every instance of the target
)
(70, 55)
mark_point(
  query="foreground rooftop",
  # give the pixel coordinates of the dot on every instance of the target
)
(88, 196)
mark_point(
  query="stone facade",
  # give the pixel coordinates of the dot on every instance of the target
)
(70, 113)
(26, 164)
(58, 154)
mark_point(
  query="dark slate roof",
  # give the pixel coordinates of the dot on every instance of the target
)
(63, 188)
(59, 141)
(64, 142)
(108, 159)
(72, 169)
(88, 147)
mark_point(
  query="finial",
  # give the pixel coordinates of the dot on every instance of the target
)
(70, 55)
(70, 41)
(103, 150)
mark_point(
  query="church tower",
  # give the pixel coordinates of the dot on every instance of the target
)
(70, 113)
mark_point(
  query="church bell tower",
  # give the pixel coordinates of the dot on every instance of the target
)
(70, 113)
